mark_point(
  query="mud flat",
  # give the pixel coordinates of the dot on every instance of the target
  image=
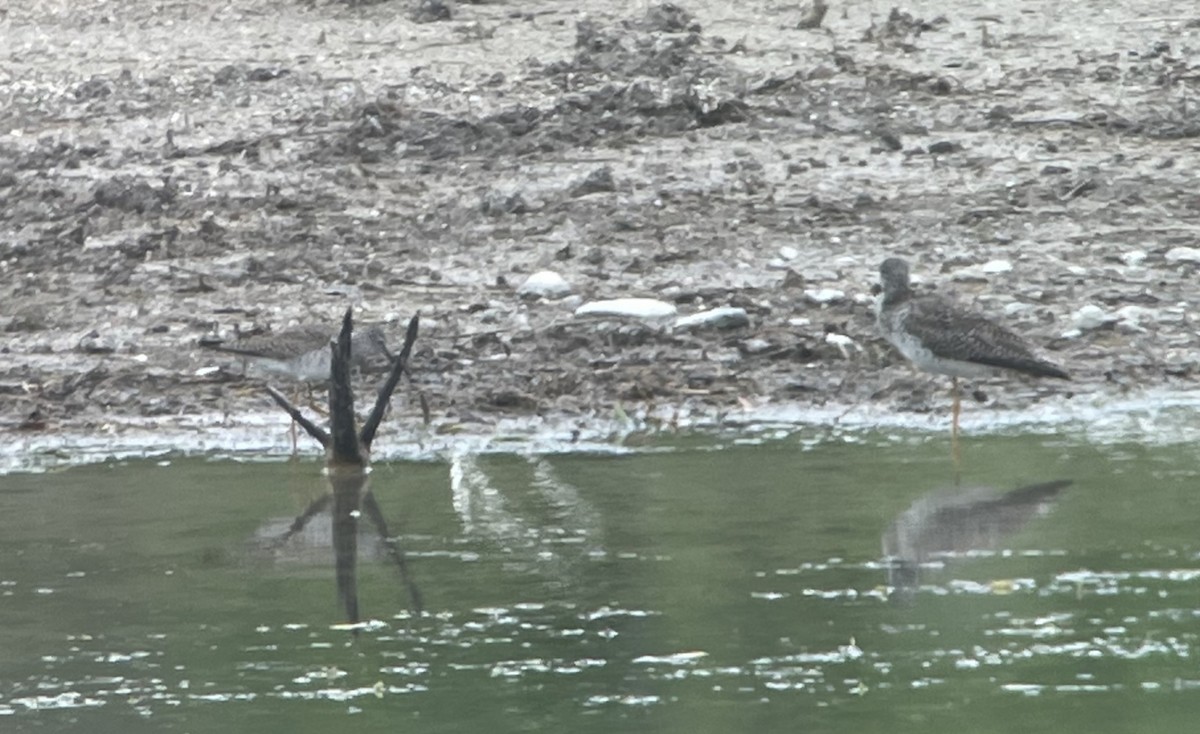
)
(174, 170)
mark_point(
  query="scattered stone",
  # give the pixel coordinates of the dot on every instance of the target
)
(788, 252)
(982, 272)
(93, 343)
(1133, 258)
(824, 296)
(792, 279)
(649, 309)
(891, 140)
(843, 343)
(132, 195)
(430, 11)
(944, 147)
(544, 284)
(669, 18)
(498, 203)
(755, 346)
(727, 317)
(1183, 254)
(1131, 317)
(599, 180)
(1090, 317)
(95, 88)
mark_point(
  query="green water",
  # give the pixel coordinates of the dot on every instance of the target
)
(689, 587)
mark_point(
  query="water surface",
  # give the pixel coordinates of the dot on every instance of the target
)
(691, 586)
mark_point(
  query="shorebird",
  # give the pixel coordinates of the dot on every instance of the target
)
(944, 338)
(302, 353)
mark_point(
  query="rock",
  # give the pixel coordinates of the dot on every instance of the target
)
(1090, 317)
(727, 317)
(824, 296)
(756, 346)
(93, 343)
(599, 180)
(632, 308)
(844, 343)
(1183, 254)
(981, 272)
(1134, 258)
(1131, 317)
(544, 284)
(430, 11)
(788, 252)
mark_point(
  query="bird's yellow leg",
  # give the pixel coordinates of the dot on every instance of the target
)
(954, 448)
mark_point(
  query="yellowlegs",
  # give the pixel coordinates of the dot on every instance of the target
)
(944, 338)
(302, 353)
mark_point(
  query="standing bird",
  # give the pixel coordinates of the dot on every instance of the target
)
(944, 338)
(303, 353)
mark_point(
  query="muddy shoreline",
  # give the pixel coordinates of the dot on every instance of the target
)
(170, 173)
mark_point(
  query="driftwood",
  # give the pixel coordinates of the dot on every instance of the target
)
(347, 452)
(344, 445)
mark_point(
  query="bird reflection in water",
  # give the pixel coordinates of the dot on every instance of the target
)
(349, 500)
(958, 521)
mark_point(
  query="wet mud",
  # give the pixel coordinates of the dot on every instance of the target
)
(170, 172)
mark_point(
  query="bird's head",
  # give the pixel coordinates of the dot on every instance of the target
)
(893, 274)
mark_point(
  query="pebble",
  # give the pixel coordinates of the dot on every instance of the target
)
(756, 346)
(981, 272)
(1134, 257)
(1131, 317)
(1183, 254)
(789, 253)
(634, 308)
(544, 284)
(726, 317)
(842, 342)
(1090, 317)
(824, 296)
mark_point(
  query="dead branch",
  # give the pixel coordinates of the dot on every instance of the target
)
(311, 428)
(367, 435)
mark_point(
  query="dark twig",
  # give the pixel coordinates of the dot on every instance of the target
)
(394, 551)
(345, 448)
(367, 435)
(347, 493)
(320, 434)
(314, 508)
